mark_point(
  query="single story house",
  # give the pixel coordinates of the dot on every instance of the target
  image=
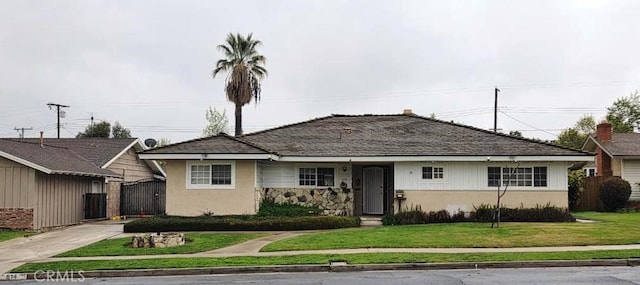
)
(364, 165)
(617, 154)
(43, 181)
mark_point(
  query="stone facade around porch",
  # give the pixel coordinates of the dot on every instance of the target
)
(334, 201)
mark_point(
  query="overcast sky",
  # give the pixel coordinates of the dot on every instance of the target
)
(147, 64)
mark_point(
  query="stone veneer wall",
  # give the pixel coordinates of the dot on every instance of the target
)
(334, 201)
(16, 218)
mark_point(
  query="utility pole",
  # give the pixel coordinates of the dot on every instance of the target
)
(58, 106)
(21, 131)
(495, 111)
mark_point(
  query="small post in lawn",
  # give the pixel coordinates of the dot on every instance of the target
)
(496, 214)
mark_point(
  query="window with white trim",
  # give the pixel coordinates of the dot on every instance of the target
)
(210, 175)
(520, 177)
(431, 172)
(316, 176)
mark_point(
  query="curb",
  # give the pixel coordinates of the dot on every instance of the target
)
(338, 267)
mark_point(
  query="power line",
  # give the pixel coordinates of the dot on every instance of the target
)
(21, 131)
(528, 125)
(58, 106)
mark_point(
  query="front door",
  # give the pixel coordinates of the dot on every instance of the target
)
(373, 190)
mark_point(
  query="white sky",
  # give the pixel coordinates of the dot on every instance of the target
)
(147, 64)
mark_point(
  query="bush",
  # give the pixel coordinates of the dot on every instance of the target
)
(269, 208)
(546, 213)
(239, 223)
(574, 178)
(389, 220)
(417, 216)
(614, 193)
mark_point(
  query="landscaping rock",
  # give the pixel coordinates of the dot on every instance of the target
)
(157, 240)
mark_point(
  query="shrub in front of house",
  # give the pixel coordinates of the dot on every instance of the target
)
(269, 208)
(614, 193)
(417, 216)
(239, 223)
(546, 213)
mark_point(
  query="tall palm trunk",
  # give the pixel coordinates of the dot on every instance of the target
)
(238, 119)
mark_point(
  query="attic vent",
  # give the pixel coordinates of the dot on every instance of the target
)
(407, 112)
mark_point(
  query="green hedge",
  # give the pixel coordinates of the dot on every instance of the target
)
(546, 213)
(417, 216)
(239, 223)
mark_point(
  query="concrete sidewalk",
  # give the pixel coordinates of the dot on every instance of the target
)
(16, 252)
(252, 248)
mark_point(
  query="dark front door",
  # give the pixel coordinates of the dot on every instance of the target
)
(373, 190)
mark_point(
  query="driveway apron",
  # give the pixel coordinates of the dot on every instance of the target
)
(16, 252)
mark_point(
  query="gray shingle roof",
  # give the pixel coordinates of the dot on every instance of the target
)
(220, 144)
(623, 144)
(97, 150)
(59, 160)
(373, 135)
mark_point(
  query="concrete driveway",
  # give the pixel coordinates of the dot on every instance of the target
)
(16, 252)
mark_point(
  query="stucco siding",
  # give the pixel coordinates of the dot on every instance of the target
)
(60, 199)
(616, 167)
(464, 200)
(131, 167)
(193, 202)
(631, 173)
(470, 175)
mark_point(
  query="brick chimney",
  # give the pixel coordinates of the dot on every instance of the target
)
(407, 112)
(603, 160)
(603, 131)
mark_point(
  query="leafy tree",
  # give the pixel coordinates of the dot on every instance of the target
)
(162, 142)
(574, 137)
(245, 71)
(515, 134)
(624, 114)
(99, 130)
(118, 131)
(217, 122)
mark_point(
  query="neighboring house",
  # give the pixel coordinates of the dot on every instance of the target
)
(363, 165)
(42, 182)
(617, 155)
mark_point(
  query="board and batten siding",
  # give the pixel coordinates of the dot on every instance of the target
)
(131, 167)
(17, 185)
(465, 186)
(60, 199)
(470, 175)
(631, 173)
(285, 174)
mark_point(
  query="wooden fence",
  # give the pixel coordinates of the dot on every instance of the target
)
(590, 198)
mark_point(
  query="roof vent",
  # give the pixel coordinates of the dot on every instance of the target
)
(407, 112)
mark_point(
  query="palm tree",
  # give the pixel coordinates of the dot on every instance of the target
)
(245, 71)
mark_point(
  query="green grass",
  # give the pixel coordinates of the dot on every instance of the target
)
(7, 235)
(614, 228)
(362, 258)
(196, 242)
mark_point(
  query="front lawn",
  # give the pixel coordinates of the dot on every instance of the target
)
(7, 235)
(360, 258)
(196, 242)
(614, 228)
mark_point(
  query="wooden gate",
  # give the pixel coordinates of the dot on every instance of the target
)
(589, 195)
(144, 197)
(95, 206)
